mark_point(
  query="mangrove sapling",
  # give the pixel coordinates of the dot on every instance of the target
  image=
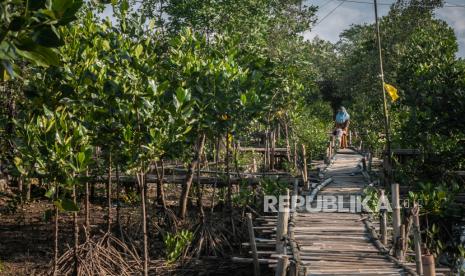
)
(108, 189)
(190, 177)
(217, 158)
(55, 237)
(76, 234)
(86, 202)
(199, 188)
(118, 200)
(228, 175)
(142, 183)
(160, 182)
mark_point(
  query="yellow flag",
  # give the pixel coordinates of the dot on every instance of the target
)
(392, 91)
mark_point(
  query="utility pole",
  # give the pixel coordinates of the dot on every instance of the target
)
(385, 108)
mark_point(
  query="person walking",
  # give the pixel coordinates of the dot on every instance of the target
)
(342, 121)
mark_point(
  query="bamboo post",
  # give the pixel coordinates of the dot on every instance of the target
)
(253, 245)
(281, 267)
(294, 195)
(304, 169)
(370, 160)
(429, 268)
(334, 147)
(282, 223)
(350, 138)
(383, 220)
(254, 164)
(272, 149)
(364, 164)
(395, 211)
(400, 252)
(417, 238)
(295, 155)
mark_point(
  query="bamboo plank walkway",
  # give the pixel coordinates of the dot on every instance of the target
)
(338, 243)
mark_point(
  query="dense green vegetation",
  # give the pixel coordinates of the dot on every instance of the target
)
(170, 80)
(419, 53)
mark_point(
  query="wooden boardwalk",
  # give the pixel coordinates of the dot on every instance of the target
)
(338, 243)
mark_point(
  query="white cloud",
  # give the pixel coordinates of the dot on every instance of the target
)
(355, 13)
(455, 17)
(345, 15)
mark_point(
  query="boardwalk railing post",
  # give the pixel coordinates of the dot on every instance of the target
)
(295, 192)
(304, 169)
(417, 238)
(350, 138)
(395, 214)
(429, 267)
(253, 245)
(370, 160)
(281, 267)
(282, 224)
(383, 220)
(400, 246)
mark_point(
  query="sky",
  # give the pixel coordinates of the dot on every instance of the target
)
(348, 13)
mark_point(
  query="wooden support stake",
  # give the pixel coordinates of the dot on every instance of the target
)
(400, 252)
(395, 211)
(253, 245)
(417, 238)
(350, 138)
(282, 223)
(281, 267)
(370, 161)
(364, 164)
(304, 169)
(383, 220)
(254, 164)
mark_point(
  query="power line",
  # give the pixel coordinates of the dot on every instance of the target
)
(326, 3)
(389, 4)
(329, 13)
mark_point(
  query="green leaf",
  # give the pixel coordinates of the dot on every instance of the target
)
(66, 205)
(138, 50)
(124, 6)
(41, 56)
(47, 37)
(180, 95)
(19, 165)
(50, 193)
(106, 45)
(60, 6)
(243, 99)
(48, 214)
(48, 112)
(16, 23)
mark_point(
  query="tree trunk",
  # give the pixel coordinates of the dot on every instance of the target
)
(199, 190)
(217, 160)
(86, 203)
(20, 187)
(160, 182)
(288, 146)
(118, 197)
(189, 178)
(28, 190)
(228, 176)
(76, 235)
(55, 241)
(109, 194)
(267, 152)
(141, 180)
(272, 146)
